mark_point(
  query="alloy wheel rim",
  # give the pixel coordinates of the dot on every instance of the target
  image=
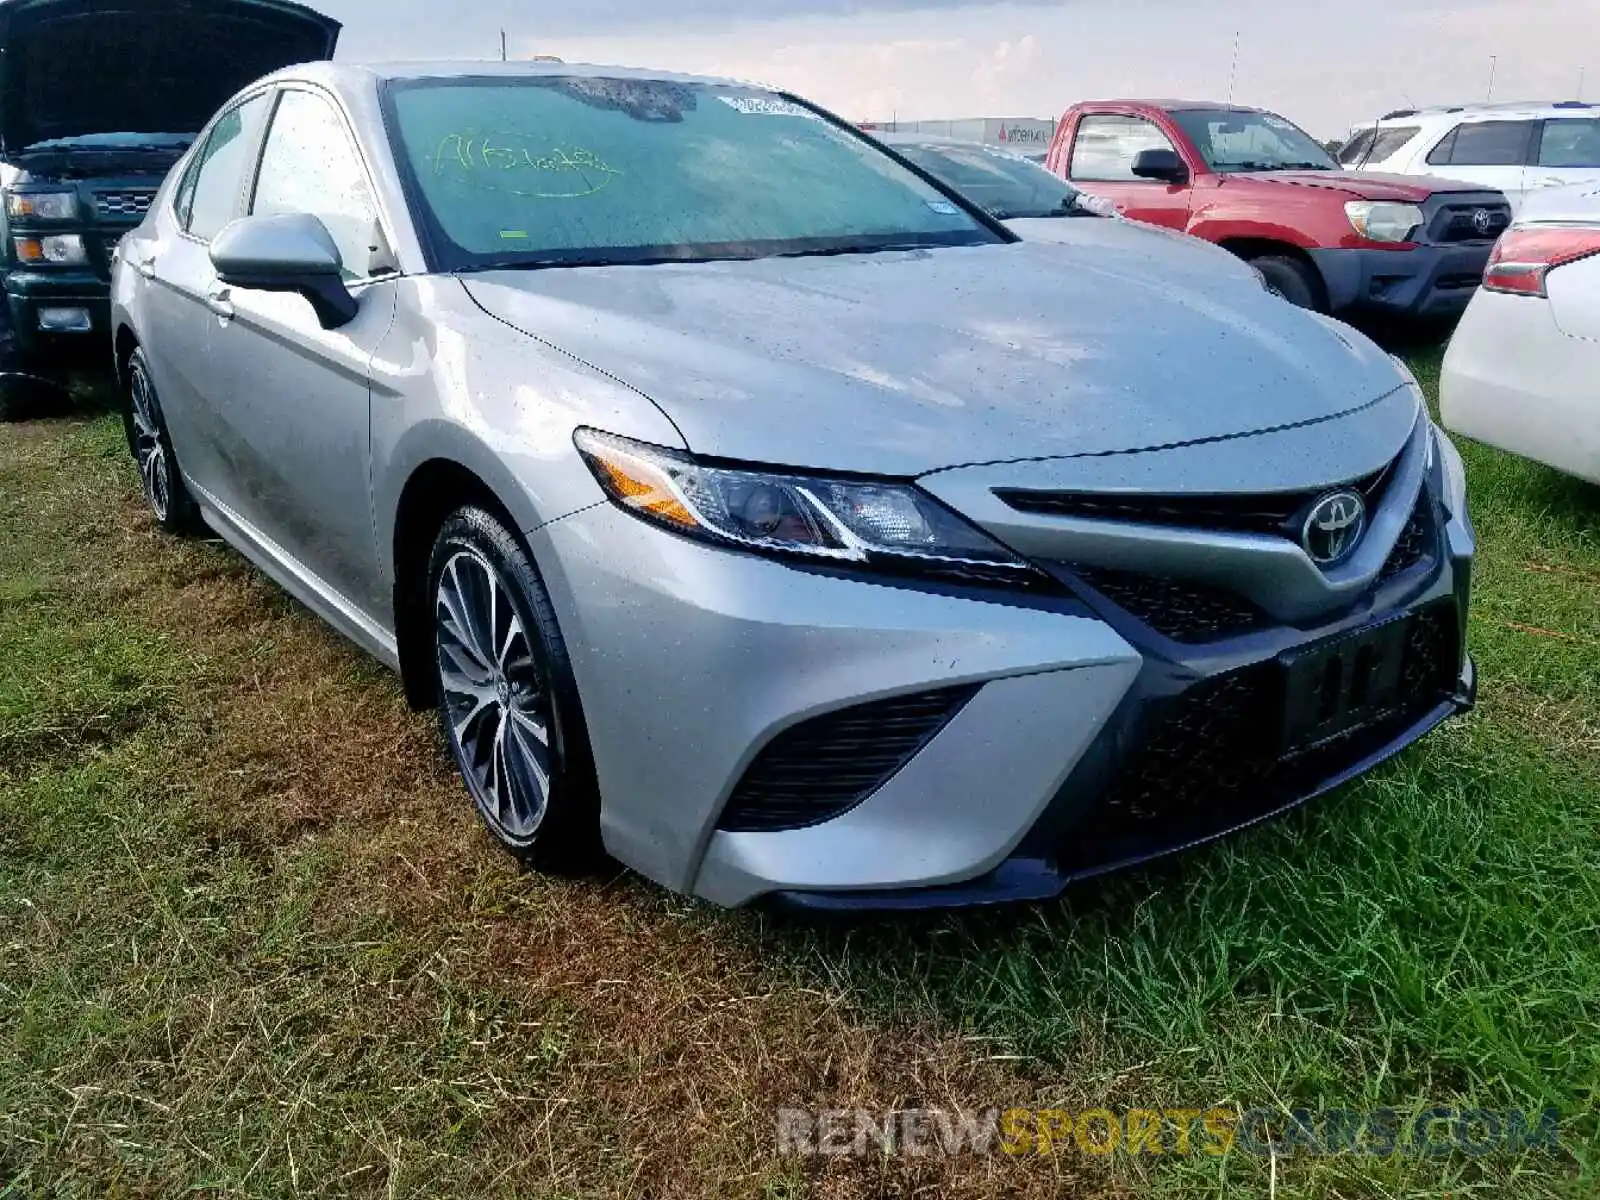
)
(497, 704)
(148, 449)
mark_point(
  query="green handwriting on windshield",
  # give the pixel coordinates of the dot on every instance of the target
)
(509, 162)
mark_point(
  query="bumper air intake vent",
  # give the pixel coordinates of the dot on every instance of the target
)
(824, 767)
(1417, 541)
(1175, 608)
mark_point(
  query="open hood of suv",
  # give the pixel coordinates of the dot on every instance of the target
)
(74, 67)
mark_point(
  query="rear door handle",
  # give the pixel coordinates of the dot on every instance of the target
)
(147, 267)
(217, 301)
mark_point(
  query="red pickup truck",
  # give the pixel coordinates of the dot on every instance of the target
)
(1254, 183)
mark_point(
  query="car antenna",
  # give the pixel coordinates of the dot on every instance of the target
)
(1366, 155)
(1233, 71)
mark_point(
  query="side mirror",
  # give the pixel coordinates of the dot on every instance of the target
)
(292, 252)
(1164, 165)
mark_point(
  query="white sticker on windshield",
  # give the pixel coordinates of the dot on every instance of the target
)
(768, 106)
(943, 207)
(1278, 122)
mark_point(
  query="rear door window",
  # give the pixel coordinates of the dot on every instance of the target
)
(1106, 146)
(1376, 145)
(1571, 143)
(1485, 144)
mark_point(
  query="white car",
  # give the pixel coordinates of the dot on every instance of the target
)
(1518, 148)
(1523, 369)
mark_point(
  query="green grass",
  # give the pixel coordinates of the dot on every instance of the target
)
(1430, 935)
(241, 957)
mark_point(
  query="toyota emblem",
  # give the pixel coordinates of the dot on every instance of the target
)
(1334, 526)
(1482, 221)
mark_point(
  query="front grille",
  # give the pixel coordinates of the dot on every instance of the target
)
(1271, 512)
(1210, 760)
(1175, 608)
(1415, 542)
(1455, 222)
(822, 768)
(126, 205)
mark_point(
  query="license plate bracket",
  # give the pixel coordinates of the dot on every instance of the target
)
(1338, 685)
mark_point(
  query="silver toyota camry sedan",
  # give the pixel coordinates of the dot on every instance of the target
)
(755, 508)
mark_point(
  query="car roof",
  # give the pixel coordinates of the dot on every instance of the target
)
(351, 73)
(1511, 110)
(1174, 105)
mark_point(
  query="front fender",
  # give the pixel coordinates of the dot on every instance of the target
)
(453, 383)
(1215, 226)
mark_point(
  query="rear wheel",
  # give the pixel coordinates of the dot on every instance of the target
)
(508, 703)
(164, 491)
(1291, 279)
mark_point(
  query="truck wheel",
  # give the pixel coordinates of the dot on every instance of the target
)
(24, 397)
(1291, 279)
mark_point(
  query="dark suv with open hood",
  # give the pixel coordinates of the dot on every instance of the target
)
(98, 99)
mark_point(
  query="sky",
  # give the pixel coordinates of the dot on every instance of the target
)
(1327, 65)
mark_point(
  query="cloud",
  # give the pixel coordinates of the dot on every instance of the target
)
(942, 58)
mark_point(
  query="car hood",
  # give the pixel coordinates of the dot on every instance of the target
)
(904, 362)
(1122, 244)
(74, 67)
(1365, 185)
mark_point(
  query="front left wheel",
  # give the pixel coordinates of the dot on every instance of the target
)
(508, 702)
(164, 491)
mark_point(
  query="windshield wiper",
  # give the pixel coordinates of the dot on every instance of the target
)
(830, 251)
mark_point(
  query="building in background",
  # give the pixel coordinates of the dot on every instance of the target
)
(1026, 135)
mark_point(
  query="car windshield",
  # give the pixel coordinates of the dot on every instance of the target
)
(1231, 140)
(1005, 184)
(550, 170)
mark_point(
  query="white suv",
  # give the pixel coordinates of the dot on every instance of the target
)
(1517, 148)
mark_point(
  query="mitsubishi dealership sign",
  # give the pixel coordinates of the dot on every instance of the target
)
(1025, 135)
(1020, 133)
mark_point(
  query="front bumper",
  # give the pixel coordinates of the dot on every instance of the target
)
(691, 660)
(1424, 281)
(32, 348)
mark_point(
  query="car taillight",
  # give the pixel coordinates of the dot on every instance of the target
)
(1522, 258)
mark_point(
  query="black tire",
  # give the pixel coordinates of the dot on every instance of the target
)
(498, 755)
(162, 483)
(1292, 279)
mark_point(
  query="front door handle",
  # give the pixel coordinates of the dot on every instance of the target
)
(217, 301)
(147, 267)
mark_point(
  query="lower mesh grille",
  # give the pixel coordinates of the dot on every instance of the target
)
(822, 768)
(1414, 543)
(1211, 762)
(1183, 611)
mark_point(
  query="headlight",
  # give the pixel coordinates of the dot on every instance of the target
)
(839, 521)
(41, 206)
(62, 249)
(1380, 221)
